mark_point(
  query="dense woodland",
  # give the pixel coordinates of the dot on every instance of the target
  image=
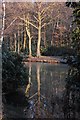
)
(32, 28)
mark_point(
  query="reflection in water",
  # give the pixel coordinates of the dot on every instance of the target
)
(53, 91)
(38, 82)
(29, 82)
(46, 90)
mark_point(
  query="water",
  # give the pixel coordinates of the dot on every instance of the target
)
(47, 87)
(48, 95)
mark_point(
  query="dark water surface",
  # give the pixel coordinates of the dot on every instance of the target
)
(46, 90)
(46, 93)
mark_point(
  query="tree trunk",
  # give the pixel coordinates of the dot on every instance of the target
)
(24, 44)
(39, 37)
(15, 47)
(52, 39)
(53, 31)
(44, 37)
(10, 41)
(3, 22)
(29, 36)
(30, 52)
(18, 42)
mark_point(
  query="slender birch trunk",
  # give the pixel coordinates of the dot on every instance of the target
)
(3, 21)
(1, 40)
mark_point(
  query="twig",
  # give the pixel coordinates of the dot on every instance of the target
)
(33, 96)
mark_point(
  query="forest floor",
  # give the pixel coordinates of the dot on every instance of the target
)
(45, 59)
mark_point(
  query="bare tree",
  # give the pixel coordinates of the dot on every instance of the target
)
(26, 23)
(38, 20)
(35, 17)
(41, 16)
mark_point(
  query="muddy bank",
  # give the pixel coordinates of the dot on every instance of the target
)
(45, 59)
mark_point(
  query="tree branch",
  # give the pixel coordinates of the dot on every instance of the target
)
(11, 23)
(35, 18)
(28, 22)
(45, 24)
(33, 25)
(45, 9)
(22, 19)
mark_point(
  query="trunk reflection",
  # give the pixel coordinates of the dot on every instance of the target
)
(46, 91)
(29, 82)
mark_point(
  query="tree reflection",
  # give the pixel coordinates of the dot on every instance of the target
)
(45, 92)
(29, 82)
(38, 82)
(37, 97)
(41, 100)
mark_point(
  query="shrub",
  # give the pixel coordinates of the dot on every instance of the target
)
(58, 51)
(14, 75)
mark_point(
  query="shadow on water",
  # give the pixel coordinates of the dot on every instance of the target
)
(13, 105)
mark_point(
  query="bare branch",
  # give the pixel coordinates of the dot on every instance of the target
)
(33, 95)
(36, 18)
(11, 23)
(33, 25)
(42, 18)
(45, 24)
(29, 22)
(22, 19)
(46, 9)
(33, 21)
